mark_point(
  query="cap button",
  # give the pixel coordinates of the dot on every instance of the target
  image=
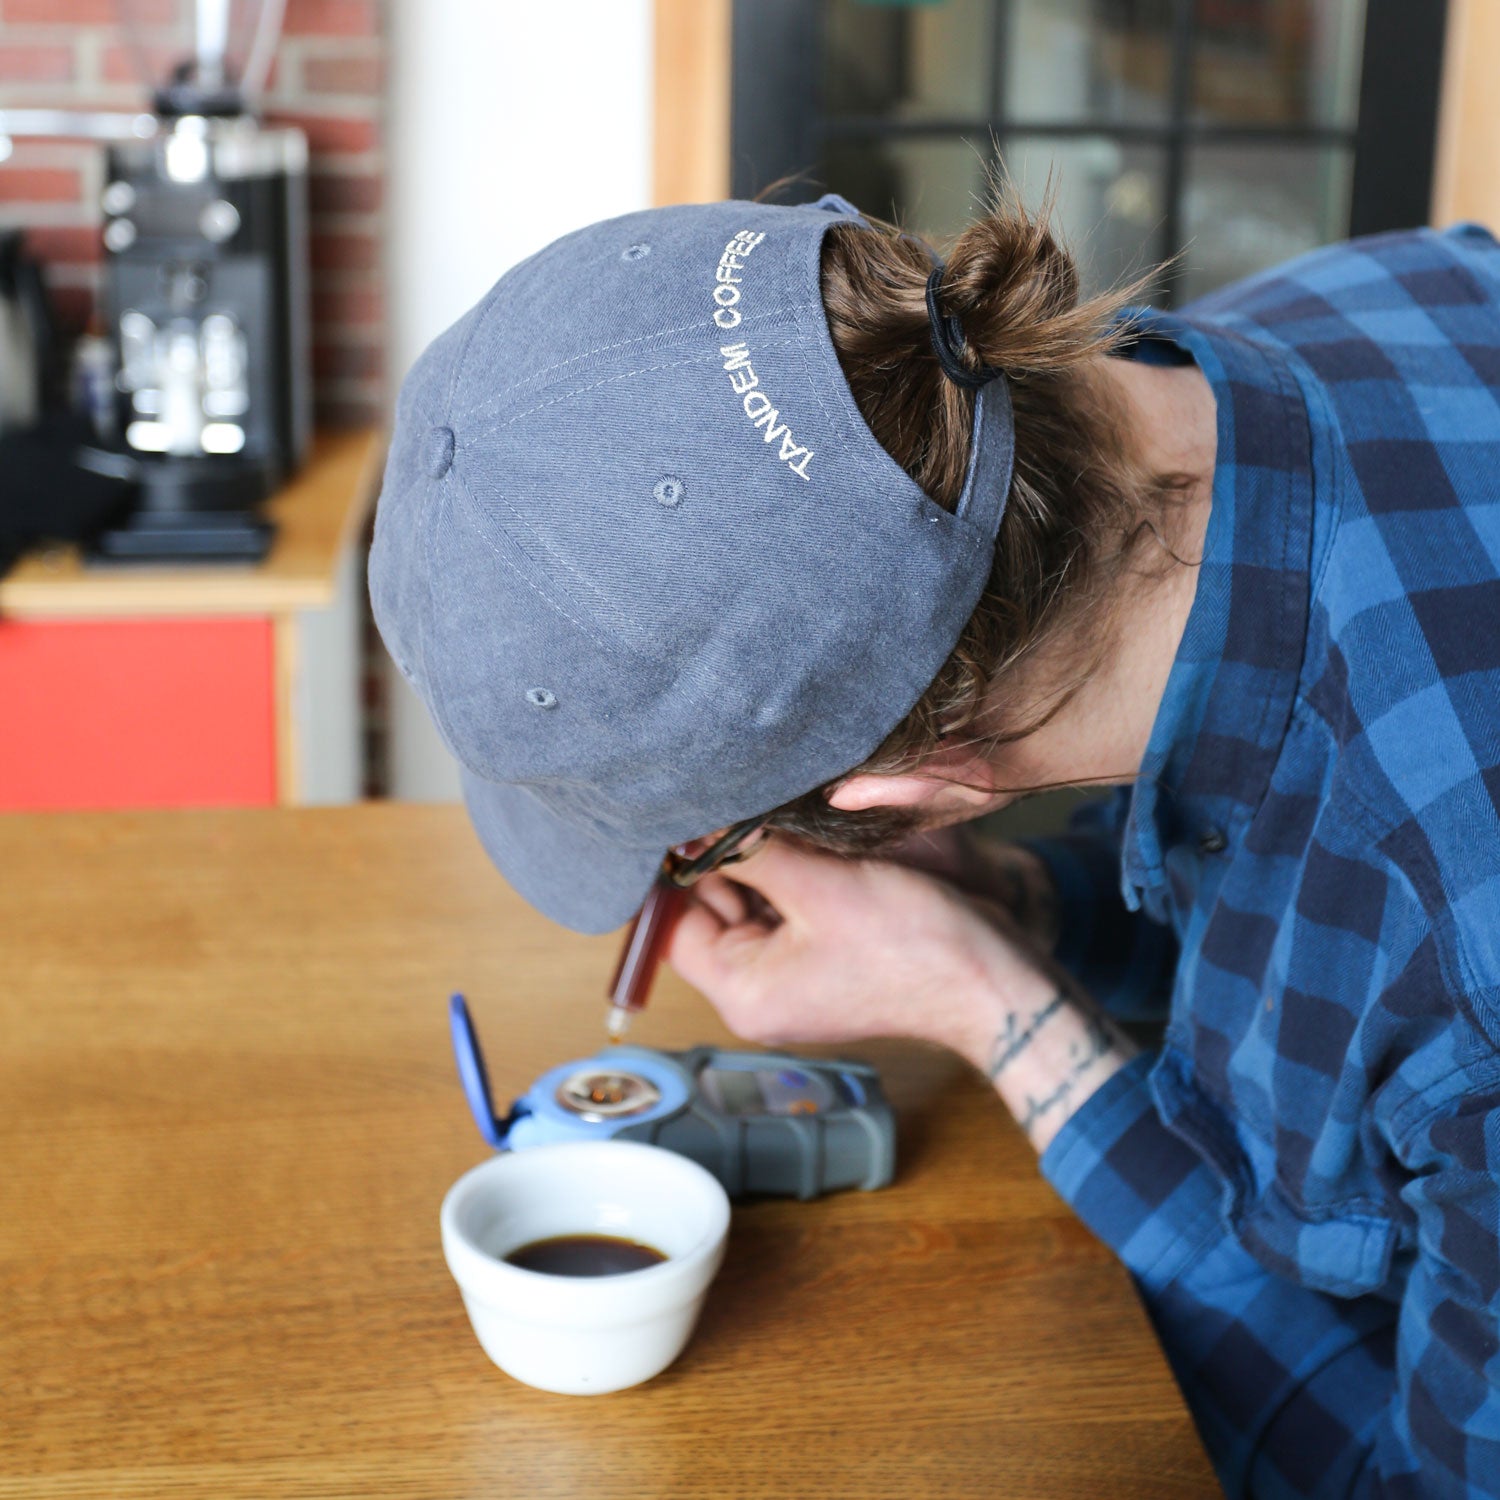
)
(437, 452)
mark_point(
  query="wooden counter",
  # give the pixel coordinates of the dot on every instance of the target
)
(228, 1115)
(196, 684)
(317, 515)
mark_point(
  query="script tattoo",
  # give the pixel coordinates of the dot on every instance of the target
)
(1017, 1035)
(1096, 1042)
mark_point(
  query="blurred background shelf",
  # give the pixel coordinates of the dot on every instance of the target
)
(196, 686)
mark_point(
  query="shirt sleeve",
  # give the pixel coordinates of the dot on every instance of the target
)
(1123, 958)
(1298, 1393)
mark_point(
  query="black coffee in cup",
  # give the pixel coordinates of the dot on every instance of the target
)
(585, 1255)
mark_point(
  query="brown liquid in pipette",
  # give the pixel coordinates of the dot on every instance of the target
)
(644, 942)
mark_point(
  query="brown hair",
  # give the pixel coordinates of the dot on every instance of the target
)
(1080, 499)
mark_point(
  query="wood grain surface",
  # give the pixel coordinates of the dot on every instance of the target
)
(228, 1115)
(317, 513)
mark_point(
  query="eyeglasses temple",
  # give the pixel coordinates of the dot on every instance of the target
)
(684, 872)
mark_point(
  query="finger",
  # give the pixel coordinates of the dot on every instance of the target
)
(707, 951)
(722, 897)
(757, 908)
(692, 948)
(713, 956)
(790, 876)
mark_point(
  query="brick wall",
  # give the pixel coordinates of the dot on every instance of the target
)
(328, 79)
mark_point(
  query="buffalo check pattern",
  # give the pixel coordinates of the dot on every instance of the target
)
(1304, 1179)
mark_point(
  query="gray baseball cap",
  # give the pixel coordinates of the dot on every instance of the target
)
(642, 558)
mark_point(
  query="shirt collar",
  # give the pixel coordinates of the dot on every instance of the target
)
(1228, 700)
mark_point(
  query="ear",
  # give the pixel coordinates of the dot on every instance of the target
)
(949, 779)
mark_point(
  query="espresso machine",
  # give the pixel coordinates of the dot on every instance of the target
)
(205, 293)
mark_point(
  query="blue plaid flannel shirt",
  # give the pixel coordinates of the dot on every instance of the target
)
(1304, 1180)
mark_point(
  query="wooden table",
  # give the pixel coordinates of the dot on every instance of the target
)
(228, 1114)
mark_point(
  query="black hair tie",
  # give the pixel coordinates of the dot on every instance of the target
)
(948, 341)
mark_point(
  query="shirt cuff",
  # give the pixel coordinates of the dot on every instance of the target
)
(1145, 1193)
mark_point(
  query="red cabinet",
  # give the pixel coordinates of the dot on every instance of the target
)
(137, 713)
(195, 687)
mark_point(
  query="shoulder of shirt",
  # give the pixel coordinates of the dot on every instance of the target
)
(1343, 273)
(1296, 308)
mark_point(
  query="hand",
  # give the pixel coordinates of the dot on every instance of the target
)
(803, 946)
(807, 947)
(989, 871)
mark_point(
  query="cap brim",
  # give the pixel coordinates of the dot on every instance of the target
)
(564, 871)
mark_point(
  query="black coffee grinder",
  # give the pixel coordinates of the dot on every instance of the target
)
(205, 294)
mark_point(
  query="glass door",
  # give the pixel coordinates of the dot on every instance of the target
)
(1245, 131)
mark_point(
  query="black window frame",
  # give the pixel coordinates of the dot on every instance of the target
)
(777, 127)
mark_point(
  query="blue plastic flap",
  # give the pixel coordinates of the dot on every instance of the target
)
(472, 1074)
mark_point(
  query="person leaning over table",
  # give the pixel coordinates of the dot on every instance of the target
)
(735, 511)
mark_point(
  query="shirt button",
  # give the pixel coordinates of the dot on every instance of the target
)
(1212, 841)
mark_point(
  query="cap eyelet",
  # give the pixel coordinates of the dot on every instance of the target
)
(669, 490)
(541, 697)
(635, 252)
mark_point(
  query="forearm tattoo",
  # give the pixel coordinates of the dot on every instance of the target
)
(1095, 1043)
(1017, 1035)
(1068, 1071)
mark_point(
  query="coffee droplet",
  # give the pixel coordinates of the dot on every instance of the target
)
(585, 1255)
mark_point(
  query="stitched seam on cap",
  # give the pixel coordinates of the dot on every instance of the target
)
(545, 597)
(583, 390)
(458, 360)
(665, 333)
(602, 600)
(580, 390)
(434, 505)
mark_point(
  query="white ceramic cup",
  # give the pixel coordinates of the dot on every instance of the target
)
(584, 1335)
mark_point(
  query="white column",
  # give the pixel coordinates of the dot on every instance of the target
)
(511, 122)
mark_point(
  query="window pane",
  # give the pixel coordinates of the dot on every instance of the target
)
(908, 62)
(1249, 207)
(931, 186)
(1277, 62)
(1110, 201)
(1086, 60)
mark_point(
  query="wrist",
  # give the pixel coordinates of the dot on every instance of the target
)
(1043, 1045)
(1006, 980)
